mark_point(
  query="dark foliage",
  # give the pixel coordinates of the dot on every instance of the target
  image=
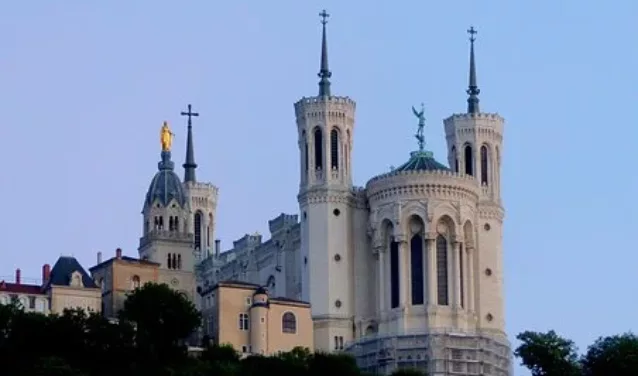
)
(548, 354)
(147, 340)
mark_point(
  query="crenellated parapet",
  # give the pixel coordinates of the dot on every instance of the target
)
(332, 107)
(485, 125)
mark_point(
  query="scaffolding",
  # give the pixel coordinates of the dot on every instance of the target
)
(439, 353)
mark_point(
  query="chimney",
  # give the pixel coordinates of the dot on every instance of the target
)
(118, 253)
(18, 276)
(46, 273)
(99, 257)
(217, 247)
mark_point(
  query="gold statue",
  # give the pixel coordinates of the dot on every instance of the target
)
(166, 137)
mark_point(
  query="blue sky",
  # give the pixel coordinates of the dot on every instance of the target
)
(85, 86)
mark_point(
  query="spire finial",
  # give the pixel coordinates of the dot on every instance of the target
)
(472, 90)
(324, 71)
(419, 133)
(189, 165)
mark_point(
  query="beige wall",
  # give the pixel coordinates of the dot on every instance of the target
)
(264, 334)
(116, 279)
(63, 297)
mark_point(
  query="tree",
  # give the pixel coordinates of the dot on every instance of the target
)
(163, 318)
(614, 355)
(548, 354)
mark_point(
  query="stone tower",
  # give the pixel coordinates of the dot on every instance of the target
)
(166, 238)
(325, 125)
(202, 198)
(475, 142)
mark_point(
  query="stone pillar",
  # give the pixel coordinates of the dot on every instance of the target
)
(469, 256)
(456, 274)
(431, 268)
(381, 279)
(404, 278)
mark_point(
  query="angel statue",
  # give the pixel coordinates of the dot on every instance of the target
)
(419, 133)
(166, 137)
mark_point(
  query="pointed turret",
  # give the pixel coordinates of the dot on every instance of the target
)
(324, 71)
(472, 90)
(189, 165)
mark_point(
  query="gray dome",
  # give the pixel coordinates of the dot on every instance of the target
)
(166, 185)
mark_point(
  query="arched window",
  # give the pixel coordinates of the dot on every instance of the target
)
(135, 282)
(198, 230)
(169, 261)
(484, 175)
(176, 224)
(305, 150)
(455, 159)
(179, 261)
(441, 270)
(394, 274)
(469, 160)
(174, 260)
(289, 323)
(318, 149)
(334, 149)
(156, 224)
(170, 223)
(416, 266)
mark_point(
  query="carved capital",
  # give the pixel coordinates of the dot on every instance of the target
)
(469, 249)
(431, 236)
(400, 238)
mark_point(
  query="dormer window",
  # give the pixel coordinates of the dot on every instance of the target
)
(76, 280)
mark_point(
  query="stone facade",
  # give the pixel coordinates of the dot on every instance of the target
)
(404, 272)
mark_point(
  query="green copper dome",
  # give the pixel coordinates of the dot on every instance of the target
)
(422, 161)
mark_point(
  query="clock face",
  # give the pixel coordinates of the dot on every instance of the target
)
(175, 282)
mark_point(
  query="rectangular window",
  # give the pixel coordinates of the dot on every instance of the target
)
(32, 302)
(243, 321)
(249, 301)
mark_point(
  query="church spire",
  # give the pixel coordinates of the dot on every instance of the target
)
(324, 72)
(472, 90)
(189, 165)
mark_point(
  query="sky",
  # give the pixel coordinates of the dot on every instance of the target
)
(85, 87)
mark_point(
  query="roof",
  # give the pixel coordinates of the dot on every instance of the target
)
(19, 288)
(421, 161)
(128, 259)
(252, 286)
(62, 270)
(166, 185)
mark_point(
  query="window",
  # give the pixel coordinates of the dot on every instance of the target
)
(32, 302)
(441, 270)
(249, 301)
(461, 278)
(135, 282)
(243, 321)
(484, 175)
(289, 323)
(197, 224)
(246, 349)
(469, 160)
(334, 149)
(455, 159)
(169, 261)
(338, 342)
(394, 274)
(318, 149)
(416, 266)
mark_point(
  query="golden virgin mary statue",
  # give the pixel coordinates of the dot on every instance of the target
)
(166, 137)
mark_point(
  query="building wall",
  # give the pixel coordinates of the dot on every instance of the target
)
(63, 297)
(264, 332)
(29, 302)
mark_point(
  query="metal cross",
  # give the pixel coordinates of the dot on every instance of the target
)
(190, 114)
(324, 17)
(472, 33)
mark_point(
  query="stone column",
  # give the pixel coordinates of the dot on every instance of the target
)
(381, 278)
(469, 252)
(456, 274)
(430, 248)
(404, 278)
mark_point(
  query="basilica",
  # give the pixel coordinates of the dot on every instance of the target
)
(404, 272)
